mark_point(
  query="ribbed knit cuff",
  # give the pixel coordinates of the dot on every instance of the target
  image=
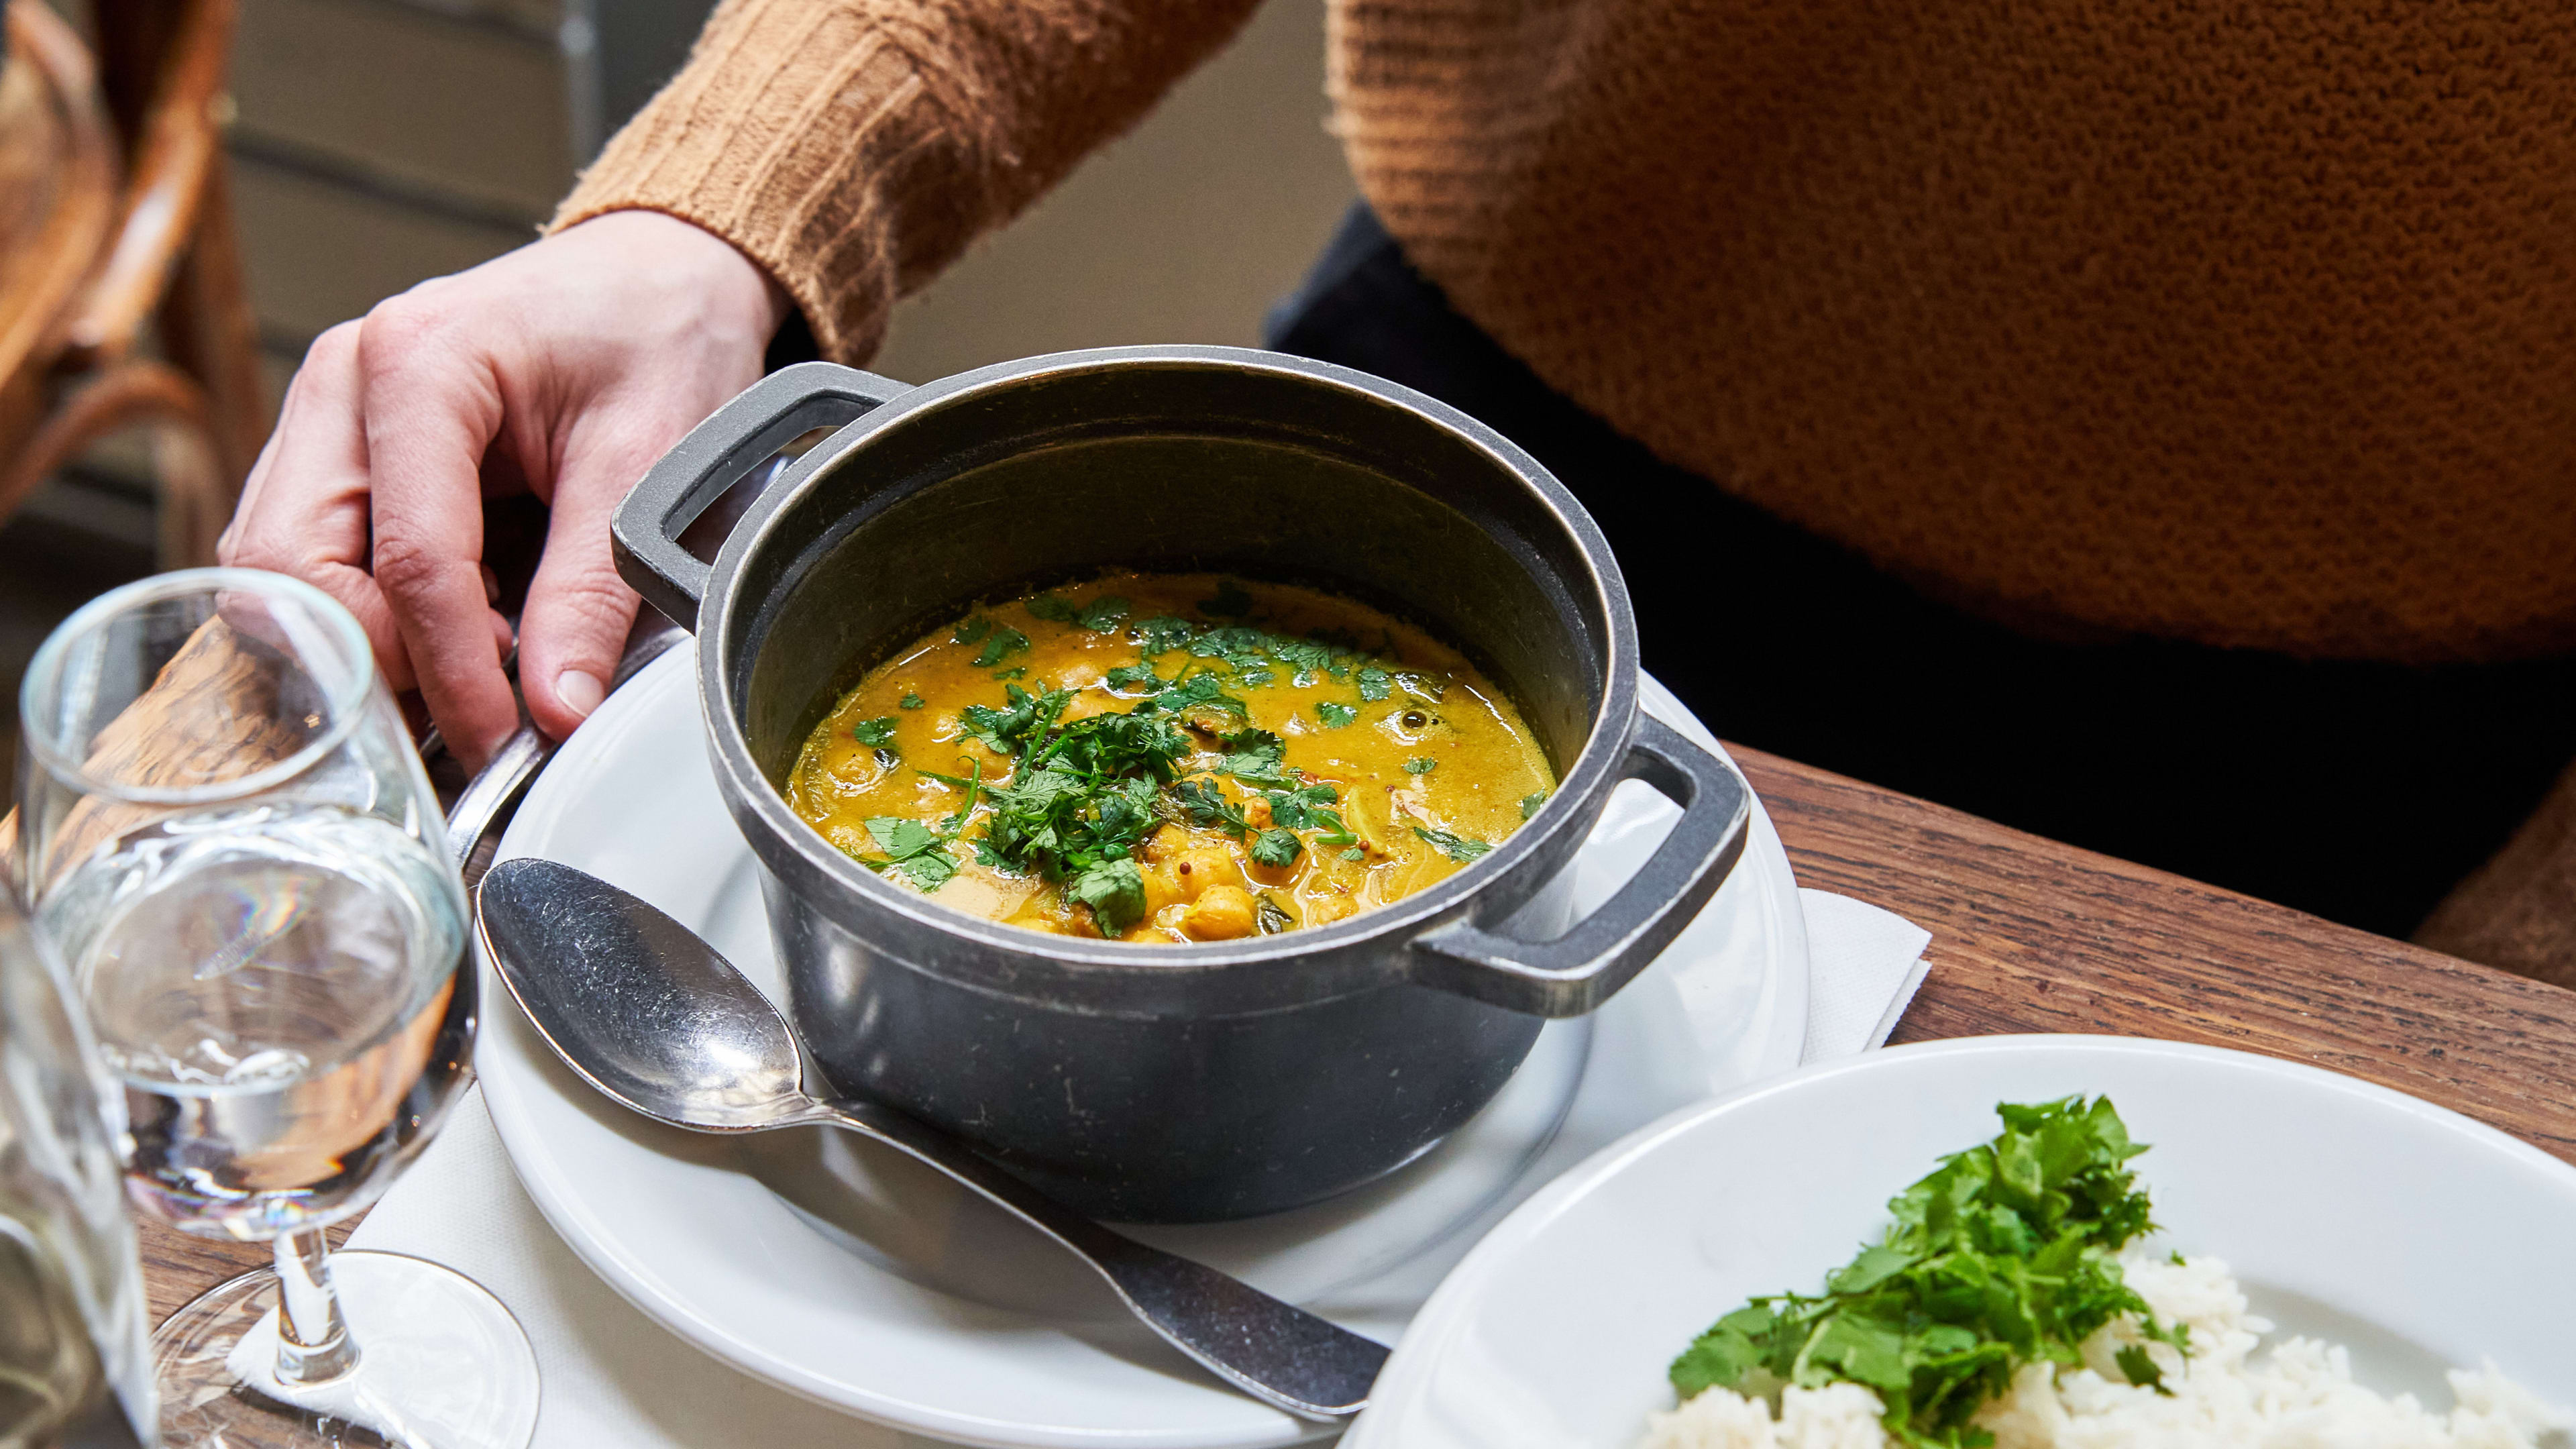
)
(855, 147)
(792, 134)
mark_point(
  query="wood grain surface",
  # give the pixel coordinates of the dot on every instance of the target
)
(2029, 935)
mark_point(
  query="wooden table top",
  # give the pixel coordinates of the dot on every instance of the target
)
(2032, 936)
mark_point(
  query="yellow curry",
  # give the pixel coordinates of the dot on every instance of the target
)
(1170, 758)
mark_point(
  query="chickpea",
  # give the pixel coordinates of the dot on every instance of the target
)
(1201, 867)
(1257, 810)
(1163, 887)
(1324, 910)
(1166, 841)
(1223, 913)
(1078, 675)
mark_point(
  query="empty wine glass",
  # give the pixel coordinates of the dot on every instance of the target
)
(227, 835)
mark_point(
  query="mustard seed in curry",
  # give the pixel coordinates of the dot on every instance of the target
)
(1170, 758)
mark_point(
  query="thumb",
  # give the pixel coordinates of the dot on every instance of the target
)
(579, 611)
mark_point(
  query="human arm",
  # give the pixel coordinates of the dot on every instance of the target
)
(845, 149)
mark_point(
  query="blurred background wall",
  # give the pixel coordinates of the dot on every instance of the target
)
(377, 143)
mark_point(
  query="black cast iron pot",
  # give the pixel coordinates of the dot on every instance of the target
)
(1166, 1082)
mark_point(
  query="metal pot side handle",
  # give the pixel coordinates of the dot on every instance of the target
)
(1586, 966)
(702, 467)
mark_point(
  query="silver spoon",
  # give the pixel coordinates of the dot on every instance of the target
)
(649, 1014)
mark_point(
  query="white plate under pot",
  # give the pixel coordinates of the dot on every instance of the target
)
(873, 1286)
(2352, 1213)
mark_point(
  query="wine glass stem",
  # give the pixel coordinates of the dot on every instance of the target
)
(313, 1344)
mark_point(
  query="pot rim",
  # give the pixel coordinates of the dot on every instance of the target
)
(1033, 955)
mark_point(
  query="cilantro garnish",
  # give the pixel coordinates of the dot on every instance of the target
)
(1102, 615)
(873, 731)
(972, 628)
(909, 701)
(914, 849)
(1255, 755)
(1354, 853)
(1163, 634)
(999, 645)
(1053, 607)
(1335, 716)
(1424, 765)
(1276, 847)
(1135, 677)
(1464, 849)
(2004, 1256)
(1115, 891)
(1375, 684)
(1202, 803)
(1530, 804)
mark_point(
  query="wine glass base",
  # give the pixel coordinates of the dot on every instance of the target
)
(441, 1365)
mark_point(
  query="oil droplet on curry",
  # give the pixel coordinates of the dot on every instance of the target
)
(1171, 758)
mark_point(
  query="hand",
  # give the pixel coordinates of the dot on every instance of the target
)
(565, 367)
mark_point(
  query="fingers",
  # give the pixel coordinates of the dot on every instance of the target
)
(431, 405)
(303, 511)
(579, 611)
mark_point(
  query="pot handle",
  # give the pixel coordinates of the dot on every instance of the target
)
(702, 467)
(1586, 966)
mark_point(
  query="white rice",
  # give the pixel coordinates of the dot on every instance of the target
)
(2300, 1395)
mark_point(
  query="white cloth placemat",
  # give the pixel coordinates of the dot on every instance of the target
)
(612, 1376)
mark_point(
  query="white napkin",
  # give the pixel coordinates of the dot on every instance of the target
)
(612, 1376)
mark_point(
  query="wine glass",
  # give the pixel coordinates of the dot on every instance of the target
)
(72, 1364)
(226, 833)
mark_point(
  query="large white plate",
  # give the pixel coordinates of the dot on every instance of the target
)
(2350, 1212)
(807, 1260)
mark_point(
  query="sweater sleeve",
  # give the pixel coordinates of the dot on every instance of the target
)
(855, 147)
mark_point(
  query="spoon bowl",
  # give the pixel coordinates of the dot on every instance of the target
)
(650, 1015)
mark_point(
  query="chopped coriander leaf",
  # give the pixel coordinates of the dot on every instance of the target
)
(1202, 803)
(873, 731)
(1163, 634)
(1135, 677)
(2005, 1255)
(1257, 678)
(909, 701)
(915, 850)
(972, 628)
(1016, 671)
(1103, 615)
(1229, 601)
(1005, 731)
(1530, 804)
(1201, 703)
(1463, 849)
(1301, 654)
(1276, 847)
(1375, 684)
(1424, 765)
(1271, 917)
(1354, 853)
(1334, 715)
(1115, 891)
(2141, 1370)
(1239, 645)
(1303, 807)
(1002, 643)
(1053, 607)
(1255, 755)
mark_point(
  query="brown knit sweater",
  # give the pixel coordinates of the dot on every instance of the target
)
(2248, 324)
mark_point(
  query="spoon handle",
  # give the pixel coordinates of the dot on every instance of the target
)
(1276, 1352)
